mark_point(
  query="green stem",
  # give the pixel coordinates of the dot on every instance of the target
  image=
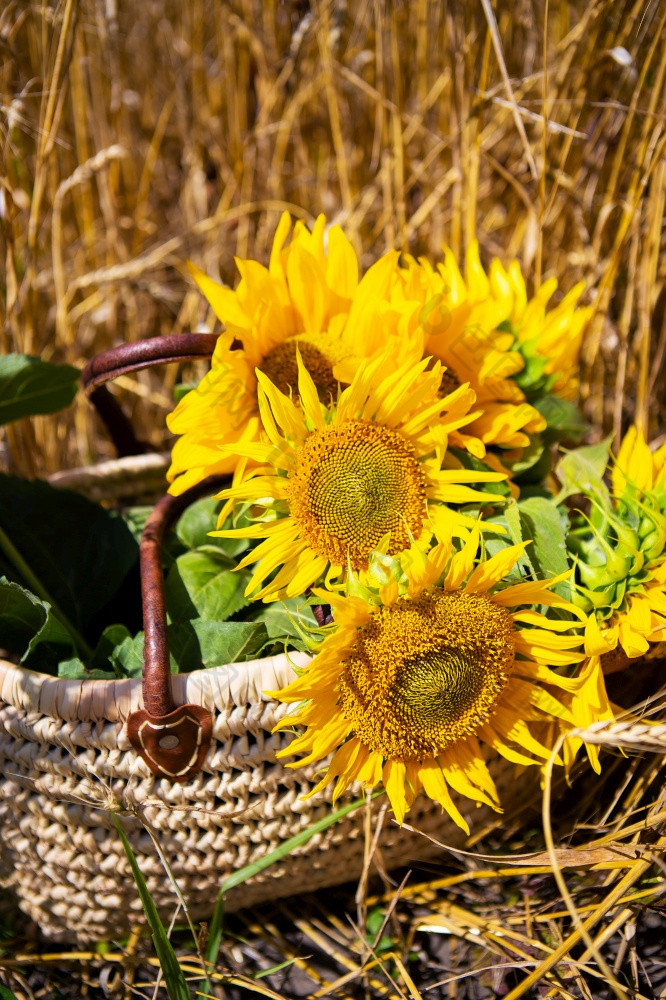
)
(240, 876)
(35, 584)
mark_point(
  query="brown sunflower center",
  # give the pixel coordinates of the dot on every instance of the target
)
(319, 353)
(351, 484)
(450, 381)
(424, 674)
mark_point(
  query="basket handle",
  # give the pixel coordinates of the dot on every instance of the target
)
(171, 739)
(130, 358)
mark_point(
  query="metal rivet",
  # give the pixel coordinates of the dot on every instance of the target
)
(169, 742)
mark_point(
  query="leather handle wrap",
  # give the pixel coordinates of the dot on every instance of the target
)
(144, 354)
(172, 740)
(130, 358)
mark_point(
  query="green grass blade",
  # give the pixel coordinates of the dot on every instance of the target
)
(243, 874)
(173, 974)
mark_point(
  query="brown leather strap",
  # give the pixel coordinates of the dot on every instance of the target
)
(130, 358)
(144, 354)
(172, 740)
(118, 425)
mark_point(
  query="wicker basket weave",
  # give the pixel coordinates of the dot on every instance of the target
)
(66, 762)
(65, 759)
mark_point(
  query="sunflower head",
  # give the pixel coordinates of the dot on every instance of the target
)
(308, 300)
(371, 471)
(520, 359)
(418, 674)
(619, 551)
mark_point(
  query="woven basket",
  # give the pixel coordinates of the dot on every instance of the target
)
(65, 759)
(71, 752)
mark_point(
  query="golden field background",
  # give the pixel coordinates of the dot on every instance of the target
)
(136, 136)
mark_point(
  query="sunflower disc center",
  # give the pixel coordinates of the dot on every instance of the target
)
(424, 674)
(351, 485)
(450, 381)
(437, 687)
(319, 354)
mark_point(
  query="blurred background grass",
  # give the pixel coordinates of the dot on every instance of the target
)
(138, 135)
(135, 136)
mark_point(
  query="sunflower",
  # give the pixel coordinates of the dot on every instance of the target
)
(308, 298)
(620, 553)
(511, 350)
(413, 680)
(370, 471)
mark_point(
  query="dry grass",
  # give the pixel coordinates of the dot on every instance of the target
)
(137, 135)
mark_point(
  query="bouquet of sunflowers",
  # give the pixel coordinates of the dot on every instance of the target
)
(406, 499)
(407, 486)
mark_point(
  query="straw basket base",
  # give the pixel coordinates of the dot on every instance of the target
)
(66, 764)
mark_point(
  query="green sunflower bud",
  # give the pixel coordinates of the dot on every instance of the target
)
(588, 600)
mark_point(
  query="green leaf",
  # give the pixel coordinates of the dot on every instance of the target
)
(582, 471)
(6, 994)
(78, 553)
(173, 974)
(135, 518)
(200, 518)
(127, 657)
(194, 645)
(287, 621)
(543, 524)
(196, 521)
(197, 643)
(563, 417)
(510, 520)
(203, 584)
(470, 462)
(30, 629)
(530, 456)
(76, 670)
(102, 659)
(29, 386)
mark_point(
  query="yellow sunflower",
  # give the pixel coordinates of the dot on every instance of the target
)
(370, 471)
(408, 686)
(511, 350)
(309, 297)
(621, 556)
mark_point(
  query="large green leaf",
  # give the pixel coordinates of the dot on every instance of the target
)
(543, 524)
(78, 554)
(200, 518)
(203, 584)
(29, 386)
(582, 471)
(291, 622)
(127, 657)
(30, 629)
(199, 643)
(563, 418)
(196, 644)
(509, 520)
(76, 670)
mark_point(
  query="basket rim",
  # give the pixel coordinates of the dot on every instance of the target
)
(215, 688)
